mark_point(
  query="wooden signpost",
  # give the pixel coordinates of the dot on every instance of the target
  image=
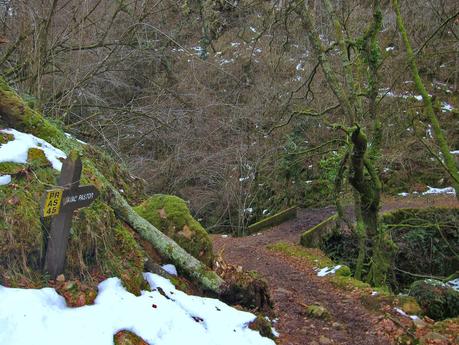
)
(60, 204)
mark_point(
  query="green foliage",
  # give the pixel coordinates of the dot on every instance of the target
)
(438, 300)
(428, 242)
(171, 215)
(422, 242)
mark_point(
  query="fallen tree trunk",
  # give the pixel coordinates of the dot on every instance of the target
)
(167, 247)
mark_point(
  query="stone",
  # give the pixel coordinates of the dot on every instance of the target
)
(318, 311)
(324, 340)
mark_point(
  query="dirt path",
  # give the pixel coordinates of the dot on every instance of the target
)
(294, 284)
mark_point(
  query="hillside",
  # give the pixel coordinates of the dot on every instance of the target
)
(107, 239)
(244, 165)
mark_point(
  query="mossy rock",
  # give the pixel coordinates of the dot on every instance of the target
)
(248, 290)
(171, 216)
(438, 300)
(127, 338)
(318, 311)
(37, 158)
(313, 256)
(263, 326)
(100, 245)
(348, 283)
(409, 305)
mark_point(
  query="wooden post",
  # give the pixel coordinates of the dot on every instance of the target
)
(71, 198)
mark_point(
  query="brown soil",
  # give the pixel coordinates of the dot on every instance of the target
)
(294, 284)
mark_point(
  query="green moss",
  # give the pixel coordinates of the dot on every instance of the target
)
(316, 258)
(263, 326)
(100, 242)
(171, 215)
(21, 234)
(318, 311)
(409, 305)
(313, 237)
(99, 245)
(37, 158)
(273, 220)
(313, 256)
(438, 300)
(348, 283)
(8, 168)
(5, 137)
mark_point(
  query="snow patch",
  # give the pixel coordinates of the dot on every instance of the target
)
(454, 284)
(31, 316)
(169, 268)
(15, 151)
(328, 270)
(5, 179)
(433, 190)
(68, 135)
(445, 107)
(401, 312)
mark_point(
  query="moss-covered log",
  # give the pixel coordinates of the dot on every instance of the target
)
(168, 248)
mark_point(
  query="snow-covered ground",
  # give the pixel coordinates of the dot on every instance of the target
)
(454, 284)
(15, 151)
(31, 316)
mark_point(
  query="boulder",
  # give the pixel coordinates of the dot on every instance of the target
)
(438, 300)
(171, 215)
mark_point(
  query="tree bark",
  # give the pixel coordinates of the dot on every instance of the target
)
(449, 161)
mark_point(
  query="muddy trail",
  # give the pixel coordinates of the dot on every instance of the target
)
(294, 285)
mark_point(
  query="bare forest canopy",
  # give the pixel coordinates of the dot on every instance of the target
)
(229, 104)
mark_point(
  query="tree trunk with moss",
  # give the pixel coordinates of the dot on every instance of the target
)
(449, 163)
(362, 174)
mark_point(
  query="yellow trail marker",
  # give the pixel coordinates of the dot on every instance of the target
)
(52, 202)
